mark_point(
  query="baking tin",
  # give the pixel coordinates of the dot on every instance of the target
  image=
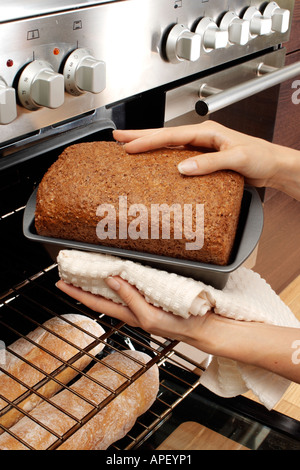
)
(248, 234)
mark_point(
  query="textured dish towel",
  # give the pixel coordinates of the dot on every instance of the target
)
(245, 297)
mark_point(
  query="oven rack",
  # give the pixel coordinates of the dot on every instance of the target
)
(27, 304)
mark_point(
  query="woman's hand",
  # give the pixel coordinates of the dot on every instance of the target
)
(198, 331)
(262, 163)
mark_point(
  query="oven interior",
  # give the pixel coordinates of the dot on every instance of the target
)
(29, 297)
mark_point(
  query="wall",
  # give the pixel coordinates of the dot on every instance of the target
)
(287, 128)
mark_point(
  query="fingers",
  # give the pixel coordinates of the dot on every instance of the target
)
(149, 139)
(136, 141)
(128, 135)
(137, 313)
(210, 162)
(208, 134)
(97, 303)
(134, 300)
(144, 313)
(152, 319)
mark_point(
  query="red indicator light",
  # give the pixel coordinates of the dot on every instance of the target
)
(56, 51)
(9, 63)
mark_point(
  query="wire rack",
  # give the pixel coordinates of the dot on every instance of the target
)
(29, 297)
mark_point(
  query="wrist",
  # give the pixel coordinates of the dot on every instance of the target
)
(216, 335)
(232, 339)
(287, 175)
(257, 344)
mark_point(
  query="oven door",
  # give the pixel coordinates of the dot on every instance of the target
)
(204, 421)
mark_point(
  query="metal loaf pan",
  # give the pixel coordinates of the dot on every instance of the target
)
(248, 234)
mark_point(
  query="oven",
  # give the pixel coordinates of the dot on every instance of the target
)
(73, 71)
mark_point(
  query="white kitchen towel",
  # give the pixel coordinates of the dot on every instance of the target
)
(246, 297)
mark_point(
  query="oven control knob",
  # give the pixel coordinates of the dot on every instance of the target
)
(280, 17)
(39, 85)
(182, 44)
(212, 36)
(259, 25)
(83, 73)
(8, 106)
(238, 29)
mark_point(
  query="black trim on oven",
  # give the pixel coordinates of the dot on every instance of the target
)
(56, 141)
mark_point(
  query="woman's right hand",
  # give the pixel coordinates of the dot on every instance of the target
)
(263, 164)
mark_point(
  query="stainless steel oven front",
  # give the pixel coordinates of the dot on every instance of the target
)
(74, 71)
(64, 60)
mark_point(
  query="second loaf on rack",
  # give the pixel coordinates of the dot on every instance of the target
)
(46, 422)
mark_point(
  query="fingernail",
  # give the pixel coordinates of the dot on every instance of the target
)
(187, 166)
(112, 283)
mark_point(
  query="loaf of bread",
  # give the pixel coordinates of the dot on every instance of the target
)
(79, 333)
(98, 194)
(110, 424)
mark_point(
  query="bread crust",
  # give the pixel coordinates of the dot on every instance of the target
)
(88, 175)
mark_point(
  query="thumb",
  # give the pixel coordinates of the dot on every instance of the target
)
(210, 162)
(128, 293)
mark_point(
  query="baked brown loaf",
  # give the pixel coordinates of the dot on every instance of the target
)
(89, 174)
(110, 424)
(80, 332)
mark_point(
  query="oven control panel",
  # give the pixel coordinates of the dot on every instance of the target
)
(232, 29)
(57, 66)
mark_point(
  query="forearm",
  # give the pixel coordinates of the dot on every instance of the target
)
(287, 178)
(274, 348)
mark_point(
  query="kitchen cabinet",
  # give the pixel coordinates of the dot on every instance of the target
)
(287, 126)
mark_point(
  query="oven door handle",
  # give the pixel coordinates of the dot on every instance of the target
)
(213, 99)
